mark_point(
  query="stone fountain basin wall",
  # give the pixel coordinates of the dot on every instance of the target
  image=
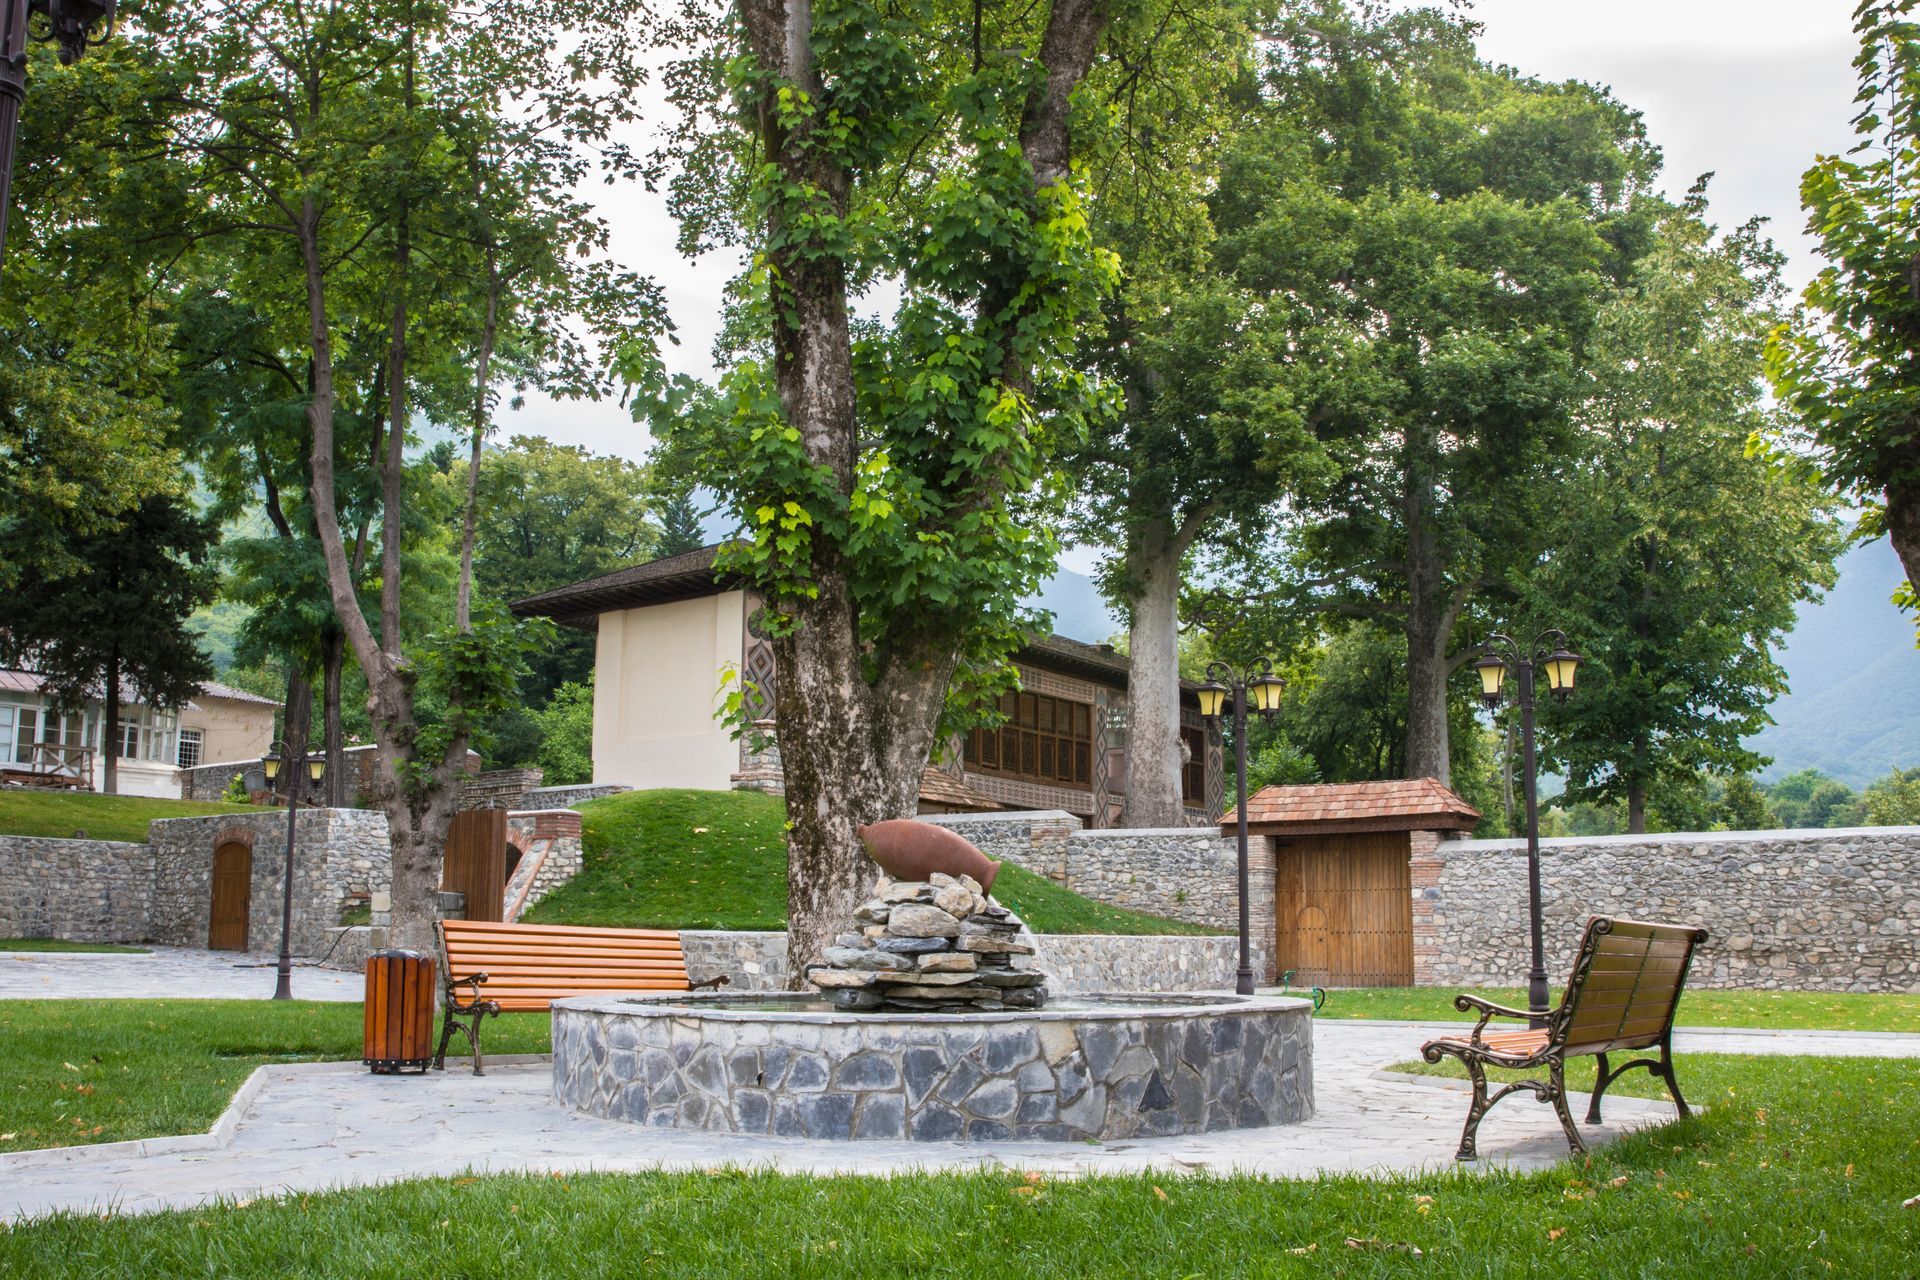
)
(1153, 1066)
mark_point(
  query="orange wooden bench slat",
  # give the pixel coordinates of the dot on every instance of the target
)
(478, 928)
(528, 966)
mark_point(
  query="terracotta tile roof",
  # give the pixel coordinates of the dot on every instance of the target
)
(940, 787)
(1413, 804)
(29, 682)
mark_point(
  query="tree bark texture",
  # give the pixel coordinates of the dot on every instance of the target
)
(1903, 525)
(418, 810)
(110, 731)
(856, 729)
(333, 657)
(1153, 678)
(296, 728)
(1428, 749)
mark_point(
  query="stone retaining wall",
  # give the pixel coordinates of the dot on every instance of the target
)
(1181, 873)
(81, 890)
(340, 856)
(757, 961)
(565, 797)
(1830, 910)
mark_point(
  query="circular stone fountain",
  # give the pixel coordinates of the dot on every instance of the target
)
(1100, 1067)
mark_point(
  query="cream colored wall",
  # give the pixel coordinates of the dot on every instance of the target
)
(234, 730)
(656, 687)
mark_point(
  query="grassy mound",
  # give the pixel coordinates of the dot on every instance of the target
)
(84, 815)
(718, 860)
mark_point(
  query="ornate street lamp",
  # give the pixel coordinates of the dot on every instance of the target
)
(76, 25)
(1265, 688)
(1559, 664)
(316, 769)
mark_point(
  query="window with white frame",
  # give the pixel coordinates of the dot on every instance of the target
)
(189, 755)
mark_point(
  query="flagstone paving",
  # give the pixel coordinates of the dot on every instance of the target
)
(163, 973)
(317, 1126)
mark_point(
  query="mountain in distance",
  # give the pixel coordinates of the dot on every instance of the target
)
(1852, 709)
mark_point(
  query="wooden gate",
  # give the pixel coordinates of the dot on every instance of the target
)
(1343, 908)
(232, 896)
(476, 862)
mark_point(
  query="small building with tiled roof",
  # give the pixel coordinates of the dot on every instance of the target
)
(672, 634)
(1351, 861)
(1399, 804)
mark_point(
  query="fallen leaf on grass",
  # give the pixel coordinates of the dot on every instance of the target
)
(1306, 1248)
(1159, 1194)
(1385, 1246)
(1621, 1181)
(1912, 1204)
(463, 1182)
(1556, 1232)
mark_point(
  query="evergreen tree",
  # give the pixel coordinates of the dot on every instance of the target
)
(119, 622)
(679, 526)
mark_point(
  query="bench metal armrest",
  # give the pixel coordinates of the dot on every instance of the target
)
(472, 980)
(1488, 1011)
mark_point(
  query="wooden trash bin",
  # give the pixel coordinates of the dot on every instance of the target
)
(399, 1011)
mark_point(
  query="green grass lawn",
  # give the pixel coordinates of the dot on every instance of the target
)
(61, 944)
(1797, 1010)
(83, 1071)
(63, 814)
(676, 859)
(1798, 1169)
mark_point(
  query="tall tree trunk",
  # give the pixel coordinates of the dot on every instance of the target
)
(853, 742)
(463, 604)
(110, 731)
(1153, 678)
(1637, 786)
(296, 731)
(333, 658)
(1428, 750)
(1903, 526)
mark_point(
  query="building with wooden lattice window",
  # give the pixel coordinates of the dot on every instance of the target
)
(673, 637)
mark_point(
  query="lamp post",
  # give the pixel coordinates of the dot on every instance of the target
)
(316, 768)
(1559, 664)
(1266, 688)
(73, 24)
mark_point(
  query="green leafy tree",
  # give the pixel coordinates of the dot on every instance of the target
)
(1744, 807)
(1809, 798)
(86, 434)
(1209, 348)
(371, 175)
(1893, 801)
(1460, 226)
(119, 623)
(893, 479)
(1848, 362)
(566, 735)
(1678, 555)
(554, 514)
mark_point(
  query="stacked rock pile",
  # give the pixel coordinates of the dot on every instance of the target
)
(932, 945)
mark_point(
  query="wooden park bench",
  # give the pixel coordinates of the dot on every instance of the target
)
(508, 968)
(1626, 983)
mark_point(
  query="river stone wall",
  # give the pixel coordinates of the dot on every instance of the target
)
(81, 890)
(570, 797)
(1181, 873)
(1159, 1068)
(1829, 910)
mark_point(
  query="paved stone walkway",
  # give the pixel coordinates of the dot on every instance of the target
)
(318, 1126)
(166, 972)
(311, 1127)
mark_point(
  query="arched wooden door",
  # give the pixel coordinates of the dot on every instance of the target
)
(232, 896)
(1343, 910)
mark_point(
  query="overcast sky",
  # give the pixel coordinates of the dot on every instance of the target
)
(1749, 89)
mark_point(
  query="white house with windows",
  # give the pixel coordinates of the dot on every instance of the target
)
(220, 723)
